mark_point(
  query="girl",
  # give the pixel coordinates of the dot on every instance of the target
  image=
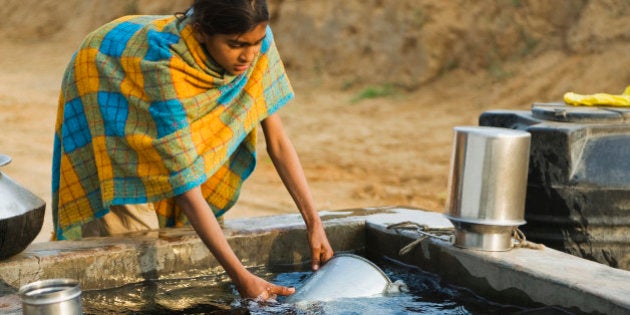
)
(158, 115)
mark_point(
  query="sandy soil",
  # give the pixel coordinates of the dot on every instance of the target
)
(373, 152)
(357, 151)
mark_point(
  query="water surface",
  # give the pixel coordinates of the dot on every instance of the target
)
(216, 295)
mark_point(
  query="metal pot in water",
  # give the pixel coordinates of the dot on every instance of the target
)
(344, 276)
(21, 214)
(487, 186)
(51, 297)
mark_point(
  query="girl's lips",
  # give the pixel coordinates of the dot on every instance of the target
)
(241, 68)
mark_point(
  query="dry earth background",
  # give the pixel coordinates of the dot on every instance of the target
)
(380, 84)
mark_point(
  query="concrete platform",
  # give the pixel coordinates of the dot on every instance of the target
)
(529, 276)
(522, 275)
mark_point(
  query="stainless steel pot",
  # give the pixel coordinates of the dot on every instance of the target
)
(51, 297)
(21, 214)
(344, 276)
(487, 186)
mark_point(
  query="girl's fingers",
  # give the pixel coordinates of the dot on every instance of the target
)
(280, 290)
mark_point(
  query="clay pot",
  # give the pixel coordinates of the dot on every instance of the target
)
(21, 215)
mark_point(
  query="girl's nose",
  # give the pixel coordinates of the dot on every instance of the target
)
(248, 54)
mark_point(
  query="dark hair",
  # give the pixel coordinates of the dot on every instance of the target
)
(228, 16)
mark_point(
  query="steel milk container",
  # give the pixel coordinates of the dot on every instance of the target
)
(487, 186)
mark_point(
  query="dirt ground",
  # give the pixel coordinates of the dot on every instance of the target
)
(360, 145)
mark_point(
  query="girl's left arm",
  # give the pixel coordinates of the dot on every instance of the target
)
(288, 166)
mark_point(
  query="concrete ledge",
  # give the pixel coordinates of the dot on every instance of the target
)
(528, 276)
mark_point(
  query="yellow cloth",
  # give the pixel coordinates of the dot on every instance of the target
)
(598, 99)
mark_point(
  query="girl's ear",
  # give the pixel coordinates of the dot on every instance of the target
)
(199, 35)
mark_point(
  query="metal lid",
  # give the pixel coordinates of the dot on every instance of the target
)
(487, 221)
(49, 291)
(492, 132)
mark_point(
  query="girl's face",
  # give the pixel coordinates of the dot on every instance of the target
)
(234, 53)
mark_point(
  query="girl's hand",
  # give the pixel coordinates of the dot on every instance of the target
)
(321, 251)
(254, 287)
(205, 224)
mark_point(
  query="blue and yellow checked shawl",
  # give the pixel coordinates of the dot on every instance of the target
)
(145, 114)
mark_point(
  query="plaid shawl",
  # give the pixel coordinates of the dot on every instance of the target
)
(145, 115)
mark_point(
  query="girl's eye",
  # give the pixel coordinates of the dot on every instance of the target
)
(235, 44)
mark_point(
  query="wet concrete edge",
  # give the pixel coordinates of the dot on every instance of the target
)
(520, 275)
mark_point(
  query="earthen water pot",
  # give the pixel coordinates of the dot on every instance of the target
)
(21, 214)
